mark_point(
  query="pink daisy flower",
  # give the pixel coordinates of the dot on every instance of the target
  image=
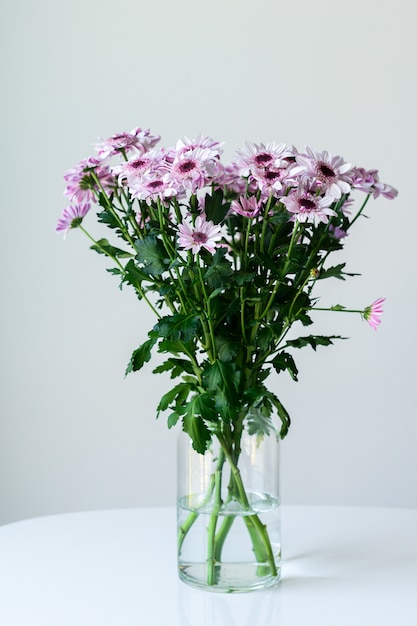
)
(137, 139)
(133, 169)
(332, 174)
(259, 157)
(368, 181)
(194, 169)
(203, 234)
(185, 145)
(372, 313)
(81, 184)
(72, 217)
(248, 207)
(306, 206)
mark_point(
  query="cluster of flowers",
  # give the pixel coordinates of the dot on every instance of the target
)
(309, 184)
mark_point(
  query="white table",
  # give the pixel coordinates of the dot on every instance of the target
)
(342, 566)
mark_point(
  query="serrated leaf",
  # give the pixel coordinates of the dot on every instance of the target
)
(102, 246)
(151, 252)
(178, 326)
(194, 426)
(215, 208)
(140, 356)
(337, 271)
(282, 414)
(179, 394)
(178, 367)
(284, 361)
(313, 341)
(172, 419)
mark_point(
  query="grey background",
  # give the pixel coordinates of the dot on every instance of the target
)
(76, 435)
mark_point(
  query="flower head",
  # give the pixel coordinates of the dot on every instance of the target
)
(85, 180)
(372, 313)
(332, 174)
(72, 217)
(368, 181)
(138, 139)
(307, 206)
(248, 207)
(203, 234)
(194, 168)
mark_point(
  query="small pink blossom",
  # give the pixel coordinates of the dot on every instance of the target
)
(185, 145)
(194, 168)
(256, 157)
(307, 206)
(203, 234)
(133, 169)
(81, 180)
(138, 139)
(338, 233)
(332, 174)
(372, 313)
(72, 217)
(248, 207)
(368, 181)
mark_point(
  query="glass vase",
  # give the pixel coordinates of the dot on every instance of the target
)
(228, 513)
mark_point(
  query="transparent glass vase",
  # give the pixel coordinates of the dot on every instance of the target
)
(228, 512)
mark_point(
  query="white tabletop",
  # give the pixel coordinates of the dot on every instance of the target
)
(342, 566)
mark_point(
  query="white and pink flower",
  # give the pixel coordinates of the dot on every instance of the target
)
(248, 207)
(138, 139)
(332, 174)
(72, 217)
(82, 185)
(201, 234)
(372, 314)
(306, 206)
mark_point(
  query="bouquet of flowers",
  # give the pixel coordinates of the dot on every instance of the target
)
(227, 256)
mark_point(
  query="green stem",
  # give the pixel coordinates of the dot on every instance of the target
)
(211, 530)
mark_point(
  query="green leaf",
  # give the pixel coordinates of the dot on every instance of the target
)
(218, 270)
(106, 216)
(226, 349)
(242, 277)
(134, 275)
(178, 367)
(151, 252)
(102, 246)
(174, 347)
(179, 394)
(313, 341)
(259, 419)
(335, 272)
(222, 378)
(215, 209)
(284, 361)
(194, 426)
(140, 356)
(178, 326)
(172, 419)
(282, 414)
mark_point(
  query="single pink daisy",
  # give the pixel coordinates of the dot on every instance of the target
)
(72, 217)
(203, 234)
(81, 180)
(307, 206)
(133, 169)
(332, 174)
(260, 157)
(372, 313)
(137, 139)
(368, 181)
(248, 207)
(185, 145)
